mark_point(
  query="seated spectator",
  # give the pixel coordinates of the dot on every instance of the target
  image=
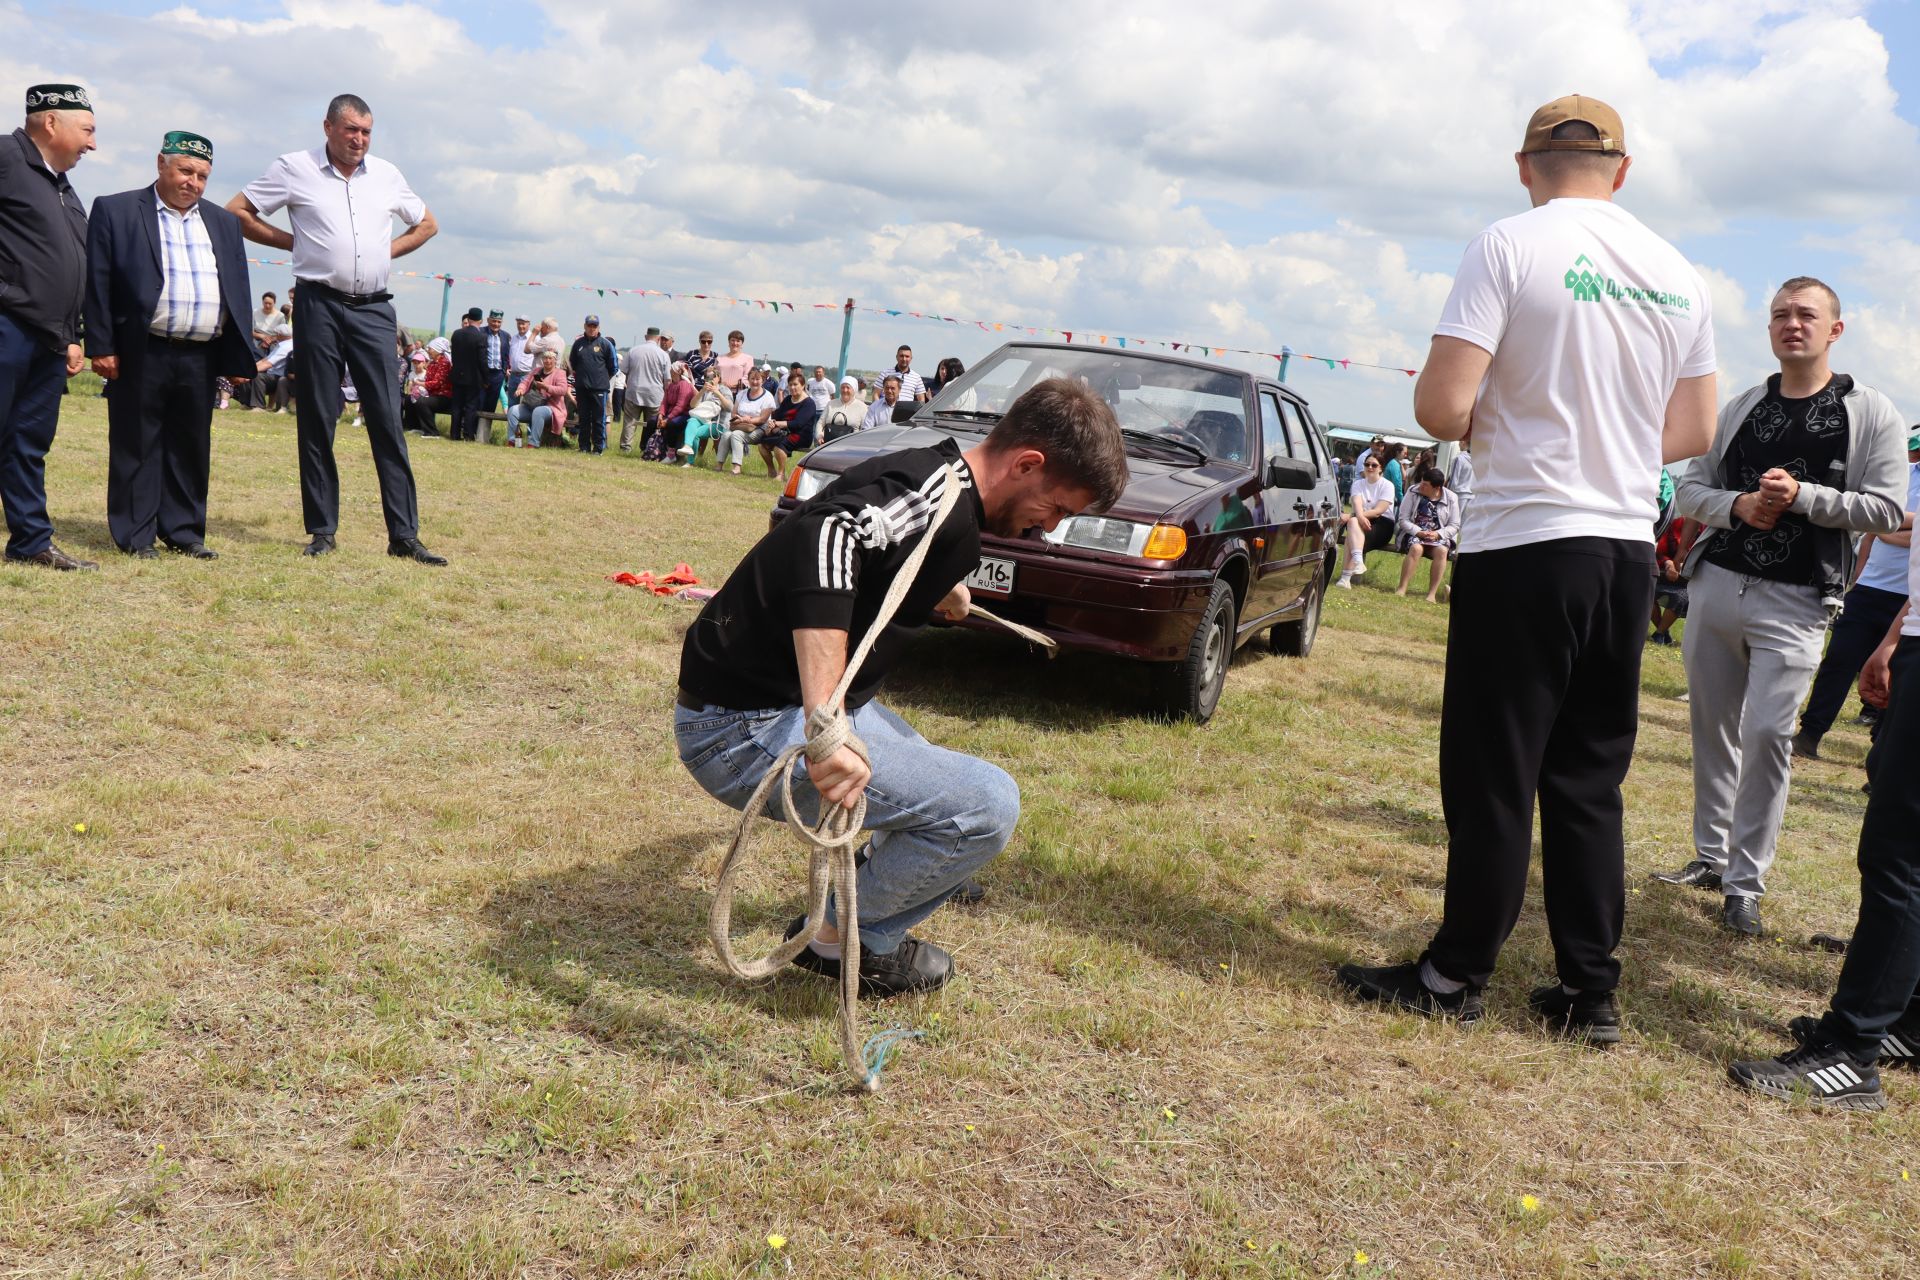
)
(437, 381)
(753, 407)
(847, 414)
(791, 430)
(880, 412)
(540, 401)
(1430, 527)
(675, 402)
(1370, 527)
(708, 419)
(1669, 585)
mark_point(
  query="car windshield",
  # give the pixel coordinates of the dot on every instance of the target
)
(1200, 409)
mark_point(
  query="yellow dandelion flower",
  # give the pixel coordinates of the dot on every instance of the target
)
(969, 1128)
(79, 828)
(1530, 1204)
(1225, 967)
(1250, 1244)
(776, 1242)
(159, 1148)
(1905, 1176)
(1360, 1259)
(1168, 1113)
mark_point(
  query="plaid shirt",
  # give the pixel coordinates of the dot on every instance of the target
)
(189, 304)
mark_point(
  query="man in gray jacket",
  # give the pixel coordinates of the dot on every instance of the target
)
(1800, 467)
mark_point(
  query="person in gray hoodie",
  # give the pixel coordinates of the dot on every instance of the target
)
(1800, 467)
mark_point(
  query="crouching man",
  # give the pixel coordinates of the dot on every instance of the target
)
(773, 644)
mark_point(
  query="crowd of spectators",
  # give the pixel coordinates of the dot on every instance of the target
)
(680, 407)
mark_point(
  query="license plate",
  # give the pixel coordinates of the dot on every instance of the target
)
(994, 576)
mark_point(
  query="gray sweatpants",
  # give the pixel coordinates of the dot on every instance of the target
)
(1751, 648)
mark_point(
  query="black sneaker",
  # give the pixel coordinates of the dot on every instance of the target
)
(1592, 1017)
(1399, 985)
(1900, 1048)
(1822, 1073)
(1740, 914)
(969, 892)
(914, 967)
(1698, 874)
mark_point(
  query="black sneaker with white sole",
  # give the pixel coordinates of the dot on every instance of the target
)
(1822, 1072)
(915, 966)
(1900, 1048)
(1399, 985)
(1592, 1017)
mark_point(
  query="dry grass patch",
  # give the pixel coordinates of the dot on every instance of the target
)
(382, 953)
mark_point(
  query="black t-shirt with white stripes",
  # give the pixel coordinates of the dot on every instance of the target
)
(829, 565)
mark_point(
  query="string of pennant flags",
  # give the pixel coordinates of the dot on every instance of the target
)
(987, 326)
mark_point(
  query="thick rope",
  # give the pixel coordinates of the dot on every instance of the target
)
(831, 841)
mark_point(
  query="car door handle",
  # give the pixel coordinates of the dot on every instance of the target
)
(1302, 508)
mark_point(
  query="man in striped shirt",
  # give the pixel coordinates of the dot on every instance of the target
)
(912, 388)
(167, 312)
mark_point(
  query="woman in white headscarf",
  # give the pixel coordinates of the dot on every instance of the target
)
(844, 416)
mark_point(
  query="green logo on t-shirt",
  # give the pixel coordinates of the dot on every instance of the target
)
(1590, 284)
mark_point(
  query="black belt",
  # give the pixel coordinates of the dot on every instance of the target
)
(351, 299)
(164, 340)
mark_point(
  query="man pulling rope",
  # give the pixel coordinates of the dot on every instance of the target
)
(769, 666)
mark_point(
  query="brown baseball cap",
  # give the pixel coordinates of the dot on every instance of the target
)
(1613, 135)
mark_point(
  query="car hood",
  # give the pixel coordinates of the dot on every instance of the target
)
(1156, 483)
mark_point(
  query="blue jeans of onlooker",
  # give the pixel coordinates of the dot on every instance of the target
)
(936, 816)
(31, 375)
(542, 419)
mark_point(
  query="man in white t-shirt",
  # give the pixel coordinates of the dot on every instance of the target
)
(1875, 1013)
(1577, 347)
(820, 388)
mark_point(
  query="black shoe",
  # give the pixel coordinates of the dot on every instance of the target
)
(413, 549)
(1698, 874)
(1592, 1016)
(1830, 942)
(1899, 1048)
(915, 966)
(1806, 746)
(53, 558)
(1400, 985)
(1740, 914)
(1868, 716)
(145, 553)
(194, 550)
(1660, 637)
(1822, 1073)
(969, 892)
(322, 545)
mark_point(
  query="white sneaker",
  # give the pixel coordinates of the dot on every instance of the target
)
(1357, 569)
(1344, 582)
(685, 451)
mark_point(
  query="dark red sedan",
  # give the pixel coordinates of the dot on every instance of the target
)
(1228, 527)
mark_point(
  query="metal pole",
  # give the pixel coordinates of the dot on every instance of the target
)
(446, 296)
(1286, 354)
(846, 340)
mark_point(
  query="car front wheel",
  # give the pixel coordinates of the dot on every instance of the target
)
(1190, 688)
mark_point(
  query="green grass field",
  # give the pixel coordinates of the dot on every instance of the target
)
(352, 923)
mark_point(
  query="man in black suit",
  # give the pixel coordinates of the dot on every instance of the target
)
(469, 356)
(168, 310)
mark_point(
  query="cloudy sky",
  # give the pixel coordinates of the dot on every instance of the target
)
(1245, 173)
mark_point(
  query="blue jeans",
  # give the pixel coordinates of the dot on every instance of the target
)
(936, 816)
(32, 374)
(536, 430)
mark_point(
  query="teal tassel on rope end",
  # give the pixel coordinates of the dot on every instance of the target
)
(879, 1050)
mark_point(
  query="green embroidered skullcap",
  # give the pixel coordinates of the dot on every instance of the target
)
(181, 143)
(58, 97)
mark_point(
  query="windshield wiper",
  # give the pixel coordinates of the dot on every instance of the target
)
(979, 415)
(1147, 437)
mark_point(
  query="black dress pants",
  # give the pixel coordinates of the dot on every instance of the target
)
(466, 404)
(1861, 627)
(159, 432)
(421, 413)
(1542, 700)
(1880, 978)
(337, 335)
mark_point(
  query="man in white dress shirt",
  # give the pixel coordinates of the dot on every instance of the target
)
(341, 202)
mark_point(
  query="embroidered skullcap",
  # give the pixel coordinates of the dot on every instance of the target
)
(181, 143)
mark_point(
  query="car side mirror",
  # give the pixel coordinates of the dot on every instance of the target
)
(1289, 473)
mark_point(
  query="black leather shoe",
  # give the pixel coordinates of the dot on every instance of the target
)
(321, 545)
(1805, 746)
(969, 892)
(193, 550)
(413, 549)
(145, 553)
(1698, 874)
(1740, 914)
(53, 558)
(1592, 1017)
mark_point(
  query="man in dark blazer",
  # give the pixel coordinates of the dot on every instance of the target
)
(468, 352)
(168, 310)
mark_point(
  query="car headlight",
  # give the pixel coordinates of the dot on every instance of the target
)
(1120, 537)
(807, 483)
